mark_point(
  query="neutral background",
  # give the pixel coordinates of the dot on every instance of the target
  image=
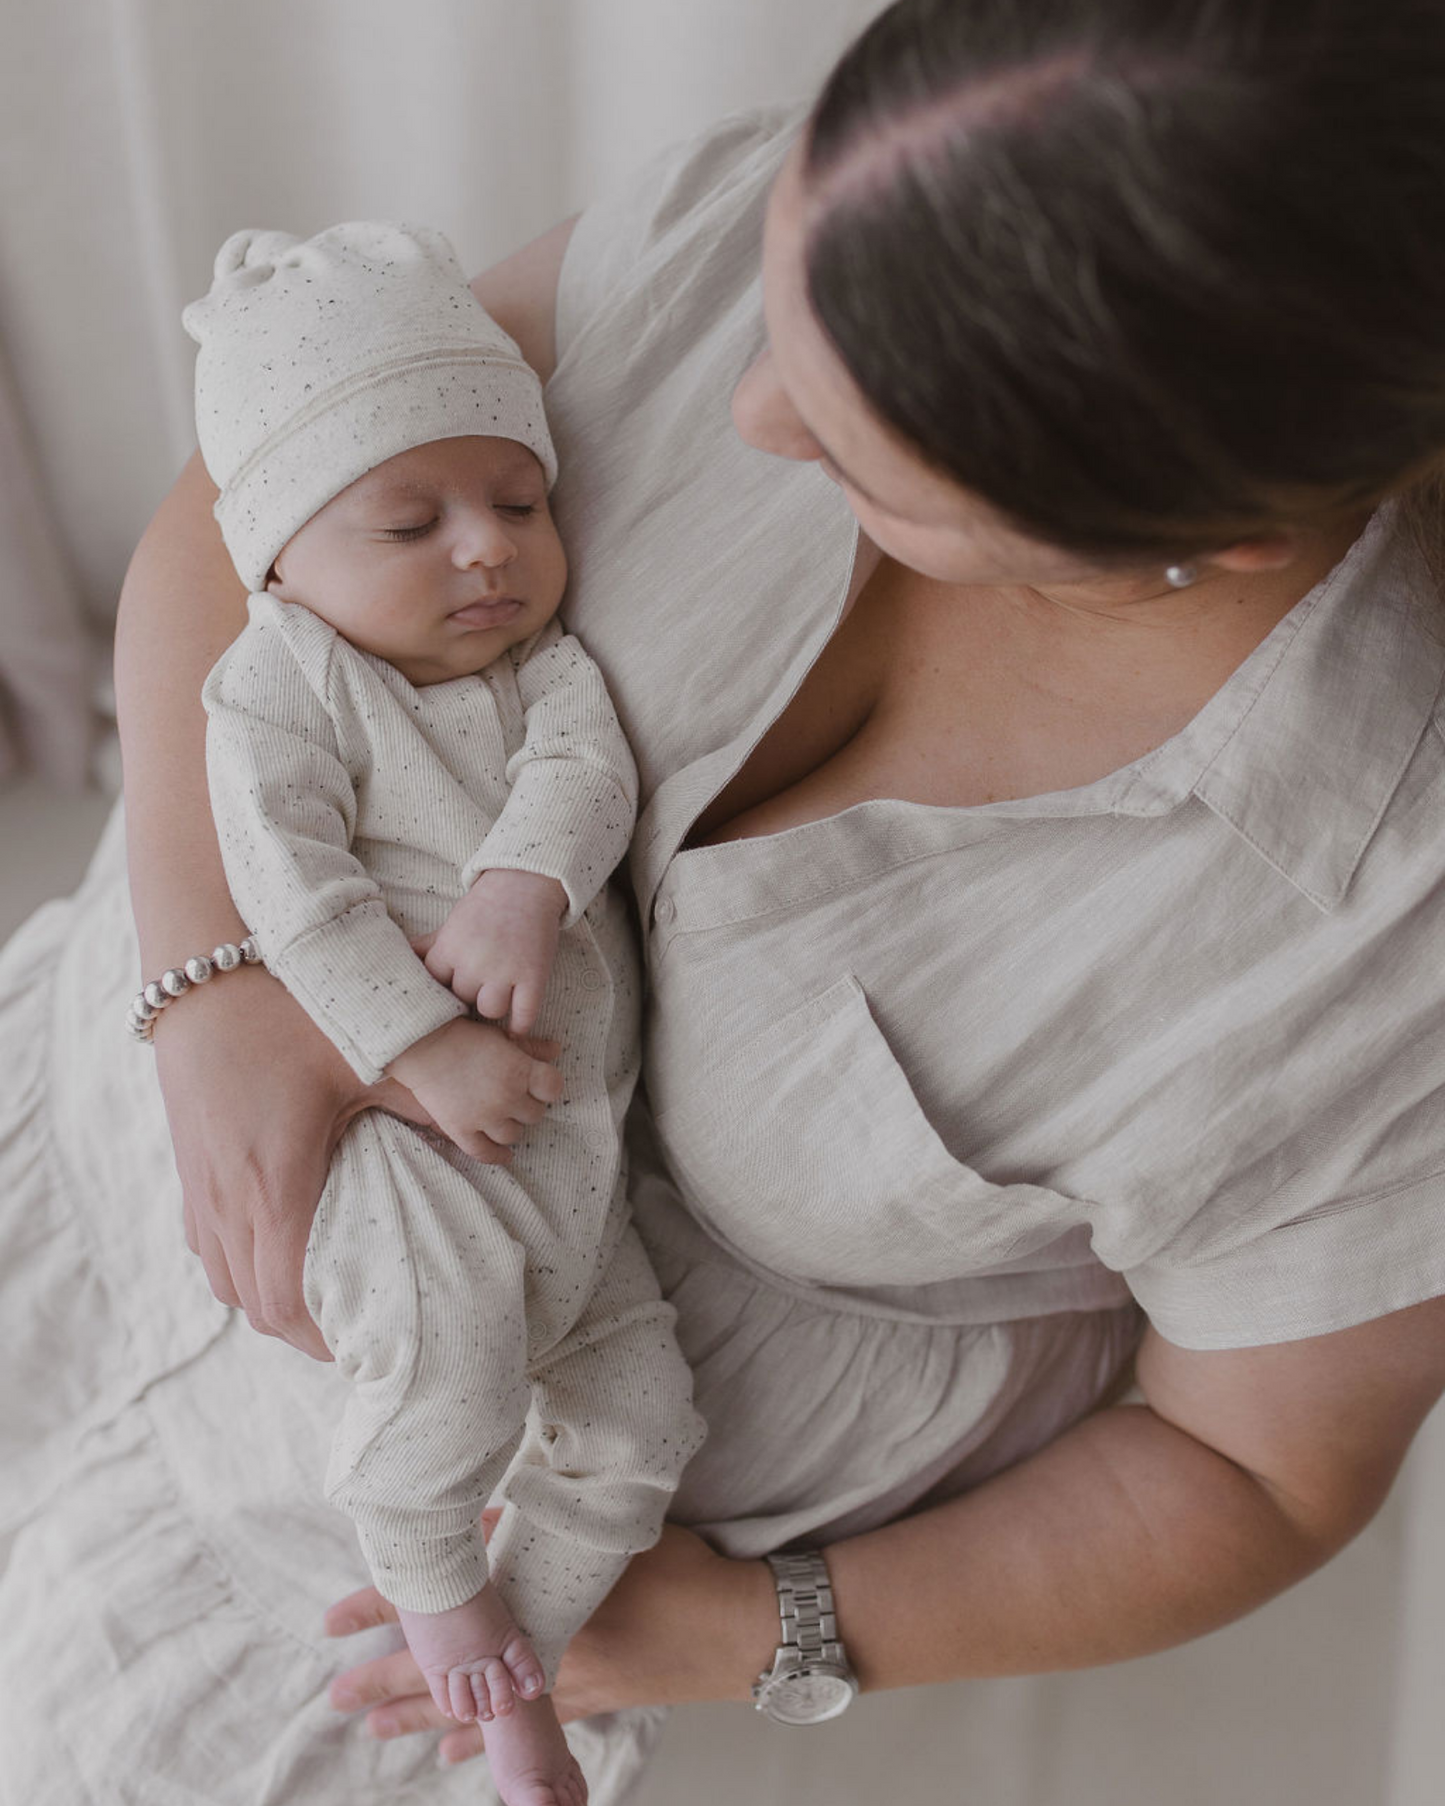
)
(134, 136)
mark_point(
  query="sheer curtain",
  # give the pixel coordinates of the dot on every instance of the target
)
(134, 135)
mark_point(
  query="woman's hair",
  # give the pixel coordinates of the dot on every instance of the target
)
(1151, 276)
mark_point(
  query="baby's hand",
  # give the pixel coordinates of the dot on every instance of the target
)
(480, 1086)
(496, 947)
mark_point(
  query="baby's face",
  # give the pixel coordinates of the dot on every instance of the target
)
(437, 560)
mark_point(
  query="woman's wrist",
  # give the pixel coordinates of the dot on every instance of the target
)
(683, 1624)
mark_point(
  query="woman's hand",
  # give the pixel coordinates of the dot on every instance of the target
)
(682, 1623)
(257, 1097)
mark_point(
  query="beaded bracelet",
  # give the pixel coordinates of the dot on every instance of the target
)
(161, 992)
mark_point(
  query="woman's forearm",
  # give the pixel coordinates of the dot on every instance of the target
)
(1124, 1537)
(181, 606)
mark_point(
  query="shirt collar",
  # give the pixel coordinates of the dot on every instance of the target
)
(1303, 747)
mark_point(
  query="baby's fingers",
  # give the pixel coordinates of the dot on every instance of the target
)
(529, 1111)
(526, 1007)
(441, 968)
(545, 1083)
(494, 999)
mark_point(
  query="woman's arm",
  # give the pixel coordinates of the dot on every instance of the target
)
(1138, 1529)
(255, 1095)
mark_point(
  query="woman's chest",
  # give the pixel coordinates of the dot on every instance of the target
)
(931, 694)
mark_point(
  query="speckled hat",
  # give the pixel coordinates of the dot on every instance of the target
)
(322, 358)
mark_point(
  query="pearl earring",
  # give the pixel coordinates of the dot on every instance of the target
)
(1180, 576)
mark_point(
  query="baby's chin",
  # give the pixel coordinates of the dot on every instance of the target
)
(466, 656)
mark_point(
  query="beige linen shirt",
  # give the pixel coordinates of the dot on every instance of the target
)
(1175, 1033)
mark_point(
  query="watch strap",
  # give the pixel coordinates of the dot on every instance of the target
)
(805, 1608)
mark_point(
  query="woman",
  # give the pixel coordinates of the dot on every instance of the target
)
(1037, 885)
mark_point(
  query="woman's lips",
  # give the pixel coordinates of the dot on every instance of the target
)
(488, 614)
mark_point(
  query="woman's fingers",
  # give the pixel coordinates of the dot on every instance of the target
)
(255, 1096)
(391, 1689)
(279, 1255)
(460, 1745)
(386, 1681)
(361, 1610)
(207, 1245)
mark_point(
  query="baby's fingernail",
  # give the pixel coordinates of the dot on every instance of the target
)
(531, 1685)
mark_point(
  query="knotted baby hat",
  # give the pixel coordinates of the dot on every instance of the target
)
(322, 358)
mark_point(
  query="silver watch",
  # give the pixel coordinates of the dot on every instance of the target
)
(810, 1679)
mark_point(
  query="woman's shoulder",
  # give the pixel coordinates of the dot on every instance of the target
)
(686, 196)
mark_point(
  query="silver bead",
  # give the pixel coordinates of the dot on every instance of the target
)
(1180, 576)
(250, 952)
(142, 1008)
(155, 996)
(226, 957)
(199, 969)
(175, 983)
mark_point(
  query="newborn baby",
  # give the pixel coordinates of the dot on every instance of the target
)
(406, 750)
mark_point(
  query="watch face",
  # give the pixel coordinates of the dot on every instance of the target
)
(809, 1698)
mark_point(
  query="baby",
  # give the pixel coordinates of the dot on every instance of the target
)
(404, 747)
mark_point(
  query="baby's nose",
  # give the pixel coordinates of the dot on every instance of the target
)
(486, 543)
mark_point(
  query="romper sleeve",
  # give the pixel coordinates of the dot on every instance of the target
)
(572, 797)
(285, 810)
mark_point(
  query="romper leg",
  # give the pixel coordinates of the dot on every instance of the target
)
(418, 1292)
(613, 1428)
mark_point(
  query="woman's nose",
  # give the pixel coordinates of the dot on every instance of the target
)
(484, 540)
(764, 416)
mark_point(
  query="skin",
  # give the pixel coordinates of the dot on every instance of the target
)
(1143, 1526)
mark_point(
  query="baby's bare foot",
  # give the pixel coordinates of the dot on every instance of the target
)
(476, 1661)
(529, 1758)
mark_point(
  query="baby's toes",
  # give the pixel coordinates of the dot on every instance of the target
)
(464, 1700)
(493, 1686)
(524, 1668)
(439, 1686)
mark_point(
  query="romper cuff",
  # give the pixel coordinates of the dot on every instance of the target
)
(422, 1561)
(358, 979)
(559, 824)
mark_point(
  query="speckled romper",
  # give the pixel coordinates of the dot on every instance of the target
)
(354, 810)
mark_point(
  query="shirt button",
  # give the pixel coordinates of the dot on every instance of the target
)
(664, 910)
(592, 979)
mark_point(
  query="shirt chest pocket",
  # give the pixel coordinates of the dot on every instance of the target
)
(808, 1152)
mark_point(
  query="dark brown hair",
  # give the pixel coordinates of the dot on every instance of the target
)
(1150, 275)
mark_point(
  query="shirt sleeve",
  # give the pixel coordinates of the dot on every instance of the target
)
(572, 798)
(285, 810)
(1343, 1263)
